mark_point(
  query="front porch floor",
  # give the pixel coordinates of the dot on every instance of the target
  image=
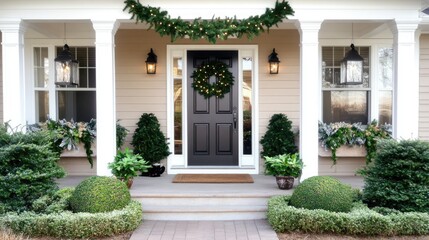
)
(263, 185)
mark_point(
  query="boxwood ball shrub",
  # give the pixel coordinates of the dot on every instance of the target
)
(100, 194)
(399, 177)
(323, 192)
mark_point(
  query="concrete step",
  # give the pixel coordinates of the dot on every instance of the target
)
(202, 200)
(201, 212)
(201, 206)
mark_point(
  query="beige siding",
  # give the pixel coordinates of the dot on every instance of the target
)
(1, 81)
(138, 92)
(424, 88)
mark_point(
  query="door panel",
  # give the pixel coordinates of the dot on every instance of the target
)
(213, 134)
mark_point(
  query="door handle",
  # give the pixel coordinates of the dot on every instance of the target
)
(234, 117)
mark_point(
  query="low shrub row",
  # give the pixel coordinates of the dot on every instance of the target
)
(359, 221)
(75, 225)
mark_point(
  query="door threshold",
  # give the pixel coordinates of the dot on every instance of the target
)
(212, 169)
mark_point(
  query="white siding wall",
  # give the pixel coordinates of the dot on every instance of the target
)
(424, 88)
(1, 81)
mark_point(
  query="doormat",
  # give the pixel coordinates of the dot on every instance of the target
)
(213, 178)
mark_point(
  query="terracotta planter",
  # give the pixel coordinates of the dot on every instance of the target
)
(284, 182)
(129, 182)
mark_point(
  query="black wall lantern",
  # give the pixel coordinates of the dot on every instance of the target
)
(274, 62)
(151, 62)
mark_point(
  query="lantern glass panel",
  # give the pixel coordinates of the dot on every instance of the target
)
(151, 68)
(67, 73)
(274, 67)
(351, 72)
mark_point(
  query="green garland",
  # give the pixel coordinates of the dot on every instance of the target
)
(201, 77)
(211, 30)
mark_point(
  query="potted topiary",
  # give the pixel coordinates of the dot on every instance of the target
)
(150, 143)
(279, 138)
(127, 165)
(285, 168)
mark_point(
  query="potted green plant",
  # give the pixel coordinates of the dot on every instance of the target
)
(150, 143)
(127, 165)
(285, 168)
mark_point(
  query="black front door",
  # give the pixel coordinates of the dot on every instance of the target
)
(212, 122)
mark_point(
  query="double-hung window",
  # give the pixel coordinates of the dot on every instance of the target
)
(74, 102)
(358, 102)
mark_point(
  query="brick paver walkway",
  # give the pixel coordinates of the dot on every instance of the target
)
(205, 230)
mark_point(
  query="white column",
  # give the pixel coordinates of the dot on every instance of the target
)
(310, 97)
(106, 96)
(13, 72)
(406, 81)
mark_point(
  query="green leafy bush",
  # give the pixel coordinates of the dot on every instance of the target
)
(127, 165)
(99, 194)
(284, 165)
(28, 168)
(148, 140)
(399, 177)
(55, 203)
(359, 221)
(323, 192)
(279, 138)
(76, 225)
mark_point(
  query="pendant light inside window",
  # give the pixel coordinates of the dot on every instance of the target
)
(352, 67)
(66, 68)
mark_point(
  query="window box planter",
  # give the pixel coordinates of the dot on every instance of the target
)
(344, 151)
(80, 152)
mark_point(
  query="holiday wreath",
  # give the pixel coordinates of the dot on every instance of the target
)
(202, 75)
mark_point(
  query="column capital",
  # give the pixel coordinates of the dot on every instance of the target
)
(308, 25)
(105, 25)
(12, 25)
(404, 25)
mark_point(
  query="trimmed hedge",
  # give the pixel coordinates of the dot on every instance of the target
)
(399, 177)
(359, 221)
(76, 225)
(323, 192)
(99, 194)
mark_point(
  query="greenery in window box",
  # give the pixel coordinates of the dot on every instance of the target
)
(284, 165)
(334, 135)
(148, 139)
(68, 134)
(279, 138)
(127, 165)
